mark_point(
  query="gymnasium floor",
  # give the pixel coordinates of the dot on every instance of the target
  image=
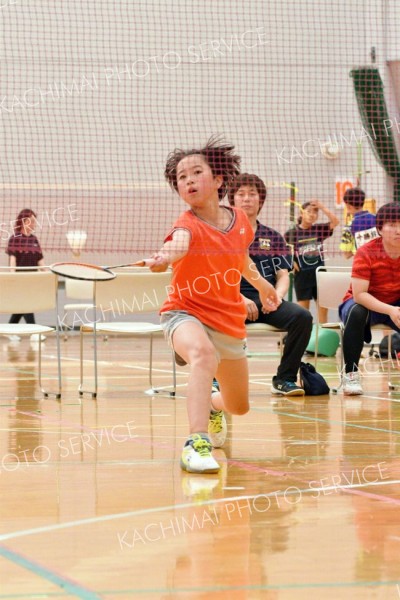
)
(94, 504)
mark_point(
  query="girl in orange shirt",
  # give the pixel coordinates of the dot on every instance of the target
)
(204, 315)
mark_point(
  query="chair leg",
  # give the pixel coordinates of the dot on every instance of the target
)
(65, 325)
(80, 389)
(152, 390)
(316, 345)
(47, 393)
(337, 389)
(173, 393)
(392, 386)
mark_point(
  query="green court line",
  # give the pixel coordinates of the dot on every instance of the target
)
(64, 583)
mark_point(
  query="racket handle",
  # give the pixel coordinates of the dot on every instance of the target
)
(146, 262)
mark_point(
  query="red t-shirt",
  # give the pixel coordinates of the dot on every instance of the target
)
(372, 264)
(206, 281)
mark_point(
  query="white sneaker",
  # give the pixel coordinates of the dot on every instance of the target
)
(352, 384)
(35, 337)
(14, 338)
(196, 456)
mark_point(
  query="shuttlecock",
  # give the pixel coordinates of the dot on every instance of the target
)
(76, 241)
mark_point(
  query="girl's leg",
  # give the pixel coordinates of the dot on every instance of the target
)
(233, 379)
(192, 343)
(322, 314)
(353, 336)
(304, 303)
(15, 318)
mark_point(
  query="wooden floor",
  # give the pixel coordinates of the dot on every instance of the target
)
(94, 504)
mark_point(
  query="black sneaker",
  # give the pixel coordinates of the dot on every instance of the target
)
(286, 388)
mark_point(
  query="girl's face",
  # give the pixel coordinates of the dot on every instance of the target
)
(28, 225)
(309, 216)
(196, 182)
(390, 233)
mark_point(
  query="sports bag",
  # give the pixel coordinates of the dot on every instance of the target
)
(312, 381)
(384, 346)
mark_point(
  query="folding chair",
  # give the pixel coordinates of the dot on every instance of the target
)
(24, 292)
(76, 290)
(263, 329)
(332, 284)
(131, 293)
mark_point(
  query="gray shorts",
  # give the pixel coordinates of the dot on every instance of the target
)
(226, 346)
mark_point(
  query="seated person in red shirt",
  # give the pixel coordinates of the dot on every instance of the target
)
(273, 259)
(374, 294)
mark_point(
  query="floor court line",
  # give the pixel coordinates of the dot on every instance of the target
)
(64, 583)
(137, 439)
(330, 421)
(189, 505)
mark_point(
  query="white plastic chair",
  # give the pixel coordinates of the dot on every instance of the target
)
(77, 290)
(262, 329)
(332, 285)
(130, 293)
(30, 292)
(270, 330)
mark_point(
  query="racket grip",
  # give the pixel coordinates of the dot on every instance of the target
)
(146, 262)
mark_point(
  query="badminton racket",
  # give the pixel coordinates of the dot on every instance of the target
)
(89, 272)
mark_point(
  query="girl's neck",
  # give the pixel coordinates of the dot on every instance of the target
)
(218, 216)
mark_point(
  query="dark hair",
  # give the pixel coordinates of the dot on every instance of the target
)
(355, 197)
(247, 179)
(218, 155)
(388, 213)
(23, 215)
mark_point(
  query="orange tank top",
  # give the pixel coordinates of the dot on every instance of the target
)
(206, 281)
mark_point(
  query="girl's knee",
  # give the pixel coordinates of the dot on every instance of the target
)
(357, 314)
(204, 354)
(237, 407)
(241, 410)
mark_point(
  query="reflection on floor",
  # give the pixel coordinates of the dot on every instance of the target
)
(94, 505)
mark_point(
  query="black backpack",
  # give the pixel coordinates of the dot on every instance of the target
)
(384, 346)
(312, 381)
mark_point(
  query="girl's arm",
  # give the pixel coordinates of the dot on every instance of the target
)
(333, 220)
(41, 263)
(268, 296)
(171, 251)
(282, 283)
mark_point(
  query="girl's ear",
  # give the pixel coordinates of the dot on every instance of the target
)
(219, 180)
